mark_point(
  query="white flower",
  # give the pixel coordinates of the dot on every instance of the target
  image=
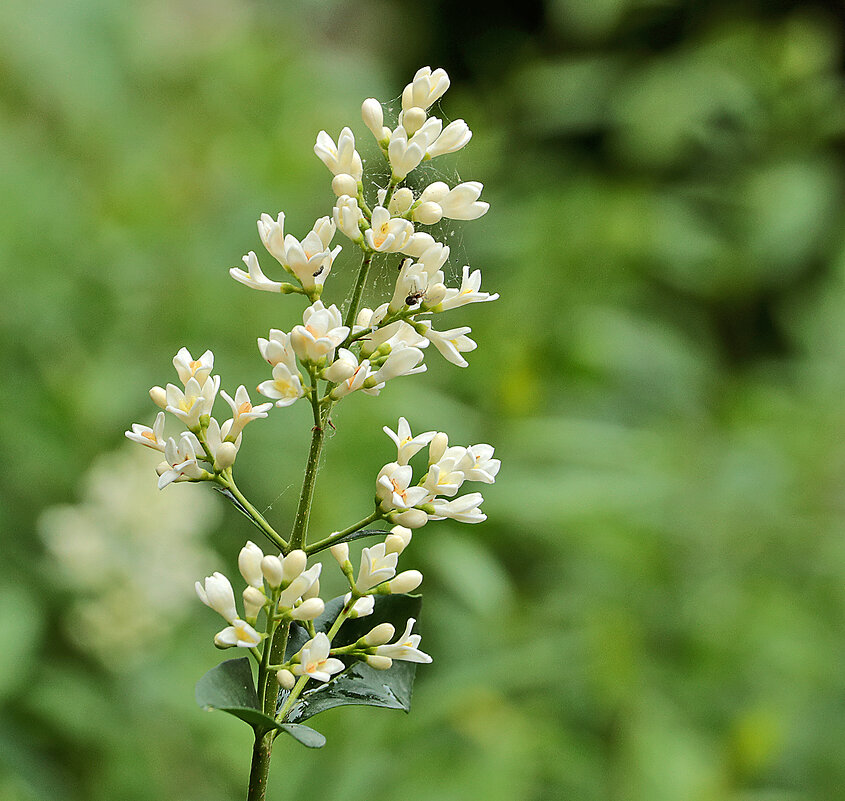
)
(454, 136)
(277, 349)
(410, 518)
(406, 647)
(450, 343)
(240, 634)
(396, 334)
(314, 660)
(373, 116)
(217, 593)
(470, 292)
(180, 460)
(402, 360)
(428, 213)
(418, 244)
(344, 184)
(393, 488)
(299, 586)
(189, 405)
(340, 158)
(459, 203)
(151, 437)
(362, 607)
(405, 582)
(486, 467)
(400, 202)
(344, 365)
(293, 565)
(463, 509)
(426, 88)
(447, 475)
(406, 152)
(187, 367)
(249, 563)
(254, 601)
(310, 260)
(254, 278)
(347, 373)
(398, 539)
(407, 445)
(322, 331)
(222, 446)
(272, 233)
(376, 566)
(243, 411)
(285, 387)
(347, 216)
(387, 234)
(308, 610)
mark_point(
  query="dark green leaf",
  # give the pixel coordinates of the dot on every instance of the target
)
(229, 688)
(361, 684)
(229, 685)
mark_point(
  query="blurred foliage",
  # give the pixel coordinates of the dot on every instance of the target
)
(655, 610)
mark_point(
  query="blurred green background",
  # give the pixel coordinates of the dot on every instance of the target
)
(655, 610)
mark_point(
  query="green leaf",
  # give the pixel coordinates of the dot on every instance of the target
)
(229, 688)
(361, 684)
(304, 734)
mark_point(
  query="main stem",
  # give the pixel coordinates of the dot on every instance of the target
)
(263, 748)
(364, 269)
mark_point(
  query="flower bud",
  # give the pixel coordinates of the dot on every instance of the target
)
(381, 634)
(378, 662)
(249, 563)
(401, 201)
(437, 447)
(428, 213)
(413, 119)
(344, 184)
(373, 116)
(362, 607)
(405, 582)
(313, 591)
(271, 567)
(159, 396)
(435, 294)
(225, 456)
(412, 518)
(285, 678)
(340, 552)
(293, 565)
(309, 609)
(162, 468)
(254, 601)
(397, 540)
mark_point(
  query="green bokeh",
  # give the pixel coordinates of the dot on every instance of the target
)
(655, 609)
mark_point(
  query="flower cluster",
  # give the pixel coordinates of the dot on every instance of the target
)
(282, 623)
(448, 468)
(286, 590)
(375, 345)
(207, 444)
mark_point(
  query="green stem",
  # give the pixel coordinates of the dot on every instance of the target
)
(228, 482)
(352, 312)
(299, 531)
(339, 535)
(300, 684)
(262, 750)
